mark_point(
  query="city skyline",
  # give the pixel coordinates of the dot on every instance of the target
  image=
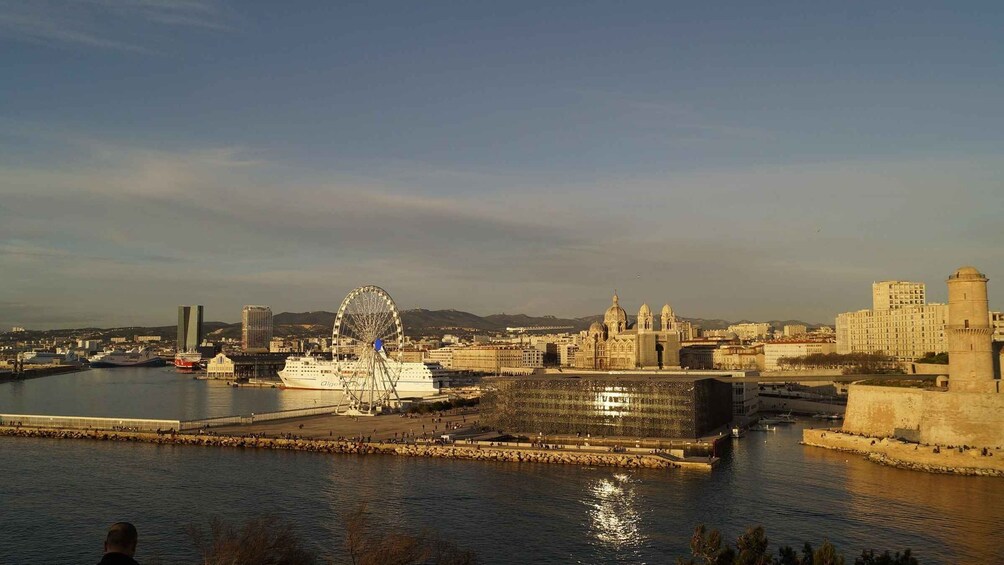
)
(738, 162)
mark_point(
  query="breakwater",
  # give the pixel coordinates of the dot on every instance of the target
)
(958, 460)
(36, 372)
(453, 451)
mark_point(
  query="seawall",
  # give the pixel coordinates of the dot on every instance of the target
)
(455, 451)
(895, 453)
(935, 417)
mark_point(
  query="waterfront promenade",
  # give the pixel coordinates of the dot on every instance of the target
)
(888, 451)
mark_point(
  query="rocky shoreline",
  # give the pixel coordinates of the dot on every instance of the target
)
(456, 451)
(903, 455)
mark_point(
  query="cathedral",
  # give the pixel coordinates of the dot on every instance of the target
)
(616, 345)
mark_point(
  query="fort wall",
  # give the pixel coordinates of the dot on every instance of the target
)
(926, 416)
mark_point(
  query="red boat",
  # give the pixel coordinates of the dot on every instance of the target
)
(188, 360)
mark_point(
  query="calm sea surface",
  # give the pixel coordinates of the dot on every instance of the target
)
(57, 497)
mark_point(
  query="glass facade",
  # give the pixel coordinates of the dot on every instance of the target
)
(607, 405)
(189, 328)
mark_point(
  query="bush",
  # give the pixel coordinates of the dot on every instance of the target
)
(267, 540)
(752, 548)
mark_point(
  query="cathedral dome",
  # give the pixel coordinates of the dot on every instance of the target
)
(644, 310)
(615, 316)
(596, 328)
(667, 311)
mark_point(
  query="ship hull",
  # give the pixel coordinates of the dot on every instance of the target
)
(324, 376)
(188, 361)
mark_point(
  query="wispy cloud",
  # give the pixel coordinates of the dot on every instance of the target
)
(121, 25)
(225, 225)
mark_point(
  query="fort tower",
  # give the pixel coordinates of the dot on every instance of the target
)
(970, 348)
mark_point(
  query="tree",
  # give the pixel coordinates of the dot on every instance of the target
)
(263, 540)
(752, 548)
(827, 555)
(706, 548)
(366, 546)
(868, 557)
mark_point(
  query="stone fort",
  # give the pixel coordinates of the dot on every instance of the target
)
(971, 410)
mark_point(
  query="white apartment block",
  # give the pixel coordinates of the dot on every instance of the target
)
(904, 333)
(443, 356)
(794, 330)
(891, 295)
(488, 358)
(533, 358)
(773, 351)
(750, 331)
(566, 354)
(738, 357)
(997, 323)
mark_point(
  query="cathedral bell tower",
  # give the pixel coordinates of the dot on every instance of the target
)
(646, 322)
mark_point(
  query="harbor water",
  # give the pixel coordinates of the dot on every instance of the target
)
(506, 512)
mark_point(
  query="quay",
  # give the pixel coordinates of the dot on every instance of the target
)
(958, 460)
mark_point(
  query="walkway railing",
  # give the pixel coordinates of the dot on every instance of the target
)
(256, 417)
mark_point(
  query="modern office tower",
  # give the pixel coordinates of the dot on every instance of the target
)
(256, 331)
(189, 327)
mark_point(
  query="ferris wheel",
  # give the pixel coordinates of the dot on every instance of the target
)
(366, 343)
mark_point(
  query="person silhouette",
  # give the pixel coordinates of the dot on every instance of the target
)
(120, 545)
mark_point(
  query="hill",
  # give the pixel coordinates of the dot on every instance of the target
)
(417, 322)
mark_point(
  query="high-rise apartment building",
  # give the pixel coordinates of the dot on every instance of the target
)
(256, 330)
(890, 295)
(189, 327)
(900, 324)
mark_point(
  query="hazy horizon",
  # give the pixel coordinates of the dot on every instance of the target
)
(736, 161)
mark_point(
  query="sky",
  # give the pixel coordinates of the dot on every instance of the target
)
(733, 159)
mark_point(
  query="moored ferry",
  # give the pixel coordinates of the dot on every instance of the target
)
(415, 379)
(132, 358)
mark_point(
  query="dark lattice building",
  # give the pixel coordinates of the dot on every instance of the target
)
(607, 405)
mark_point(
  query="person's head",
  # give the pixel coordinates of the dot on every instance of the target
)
(121, 538)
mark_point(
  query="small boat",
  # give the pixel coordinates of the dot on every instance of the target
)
(738, 432)
(761, 427)
(786, 418)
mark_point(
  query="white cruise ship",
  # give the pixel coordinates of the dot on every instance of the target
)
(416, 379)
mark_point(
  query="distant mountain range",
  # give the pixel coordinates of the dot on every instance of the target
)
(416, 323)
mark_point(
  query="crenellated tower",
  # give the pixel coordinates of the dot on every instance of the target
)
(970, 335)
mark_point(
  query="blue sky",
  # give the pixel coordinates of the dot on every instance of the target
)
(734, 160)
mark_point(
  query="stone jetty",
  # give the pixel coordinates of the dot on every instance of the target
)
(449, 451)
(959, 460)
